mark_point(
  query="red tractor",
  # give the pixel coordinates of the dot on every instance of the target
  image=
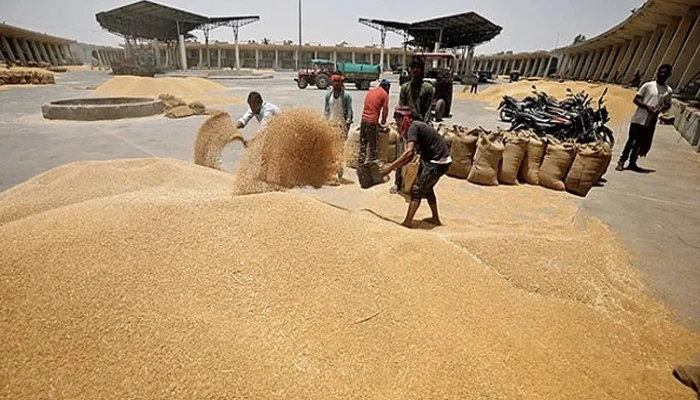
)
(318, 74)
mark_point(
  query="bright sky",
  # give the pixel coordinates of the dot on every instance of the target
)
(527, 25)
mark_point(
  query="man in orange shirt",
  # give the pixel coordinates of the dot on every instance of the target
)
(376, 105)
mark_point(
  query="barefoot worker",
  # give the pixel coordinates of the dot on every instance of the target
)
(435, 161)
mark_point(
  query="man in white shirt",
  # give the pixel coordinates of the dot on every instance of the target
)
(652, 99)
(261, 110)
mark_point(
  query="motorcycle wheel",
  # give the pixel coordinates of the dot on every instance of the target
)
(506, 115)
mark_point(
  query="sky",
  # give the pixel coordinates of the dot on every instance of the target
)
(527, 26)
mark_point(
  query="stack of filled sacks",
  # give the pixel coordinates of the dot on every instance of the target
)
(178, 108)
(492, 158)
(26, 76)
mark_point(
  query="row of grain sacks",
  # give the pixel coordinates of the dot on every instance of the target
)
(499, 157)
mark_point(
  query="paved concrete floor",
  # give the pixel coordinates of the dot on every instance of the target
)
(656, 215)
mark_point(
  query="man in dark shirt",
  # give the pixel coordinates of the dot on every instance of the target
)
(435, 161)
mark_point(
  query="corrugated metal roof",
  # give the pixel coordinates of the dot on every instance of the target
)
(148, 20)
(466, 29)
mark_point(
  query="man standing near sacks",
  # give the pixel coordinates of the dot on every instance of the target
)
(417, 95)
(435, 161)
(652, 99)
(261, 110)
(338, 105)
(376, 106)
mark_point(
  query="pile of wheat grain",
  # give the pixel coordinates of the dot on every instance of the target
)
(189, 89)
(147, 279)
(215, 133)
(297, 148)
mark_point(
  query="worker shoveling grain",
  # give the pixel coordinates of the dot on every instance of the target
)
(215, 134)
(297, 148)
(181, 290)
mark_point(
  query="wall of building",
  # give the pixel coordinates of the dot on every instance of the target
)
(539, 64)
(88, 54)
(277, 57)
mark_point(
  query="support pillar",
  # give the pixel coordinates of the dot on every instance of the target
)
(598, 72)
(687, 52)
(637, 56)
(371, 58)
(218, 58)
(27, 51)
(674, 48)
(335, 56)
(660, 50)
(353, 56)
(183, 54)
(44, 53)
(649, 51)
(19, 51)
(382, 33)
(67, 54)
(576, 65)
(8, 49)
(623, 61)
(37, 54)
(57, 54)
(562, 67)
(257, 59)
(201, 58)
(606, 73)
(277, 59)
(692, 69)
(156, 52)
(548, 66)
(588, 73)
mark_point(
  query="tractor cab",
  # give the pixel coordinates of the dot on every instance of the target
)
(440, 69)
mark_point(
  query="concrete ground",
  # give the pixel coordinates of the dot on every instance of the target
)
(656, 215)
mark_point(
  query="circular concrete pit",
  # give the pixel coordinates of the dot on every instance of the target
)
(96, 109)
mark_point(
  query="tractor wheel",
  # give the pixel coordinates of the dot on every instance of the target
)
(364, 85)
(322, 81)
(440, 110)
(302, 83)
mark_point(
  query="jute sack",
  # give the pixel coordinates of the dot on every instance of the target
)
(607, 163)
(557, 160)
(487, 160)
(179, 112)
(462, 152)
(589, 165)
(409, 172)
(530, 168)
(352, 148)
(515, 147)
(386, 147)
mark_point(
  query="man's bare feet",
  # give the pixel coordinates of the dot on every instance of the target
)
(433, 221)
(407, 224)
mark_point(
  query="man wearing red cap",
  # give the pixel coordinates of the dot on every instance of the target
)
(435, 161)
(338, 105)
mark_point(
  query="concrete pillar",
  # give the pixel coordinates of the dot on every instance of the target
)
(686, 54)
(692, 69)
(8, 49)
(353, 56)
(277, 59)
(674, 47)
(335, 56)
(218, 58)
(649, 50)
(56, 54)
(201, 58)
(183, 55)
(592, 56)
(27, 52)
(67, 55)
(579, 66)
(561, 68)
(19, 52)
(639, 51)
(156, 51)
(371, 58)
(257, 59)
(60, 55)
(607, 73)
(37, 54)
(44, 53)
(660, 50)
(623, 61)
(598, 71)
